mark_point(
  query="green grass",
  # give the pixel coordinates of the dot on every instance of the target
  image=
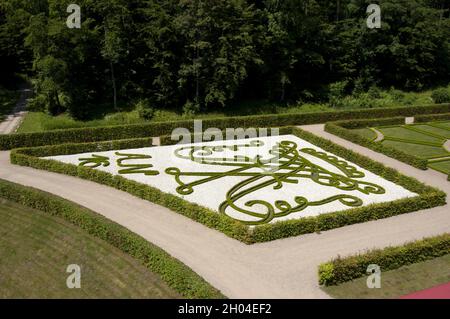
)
(433, 130)
(428, 133)
(443, 167)
(406, 134)
(399, 282)
(422, 151)
(445, 125)
(35, 249)
(366, 133)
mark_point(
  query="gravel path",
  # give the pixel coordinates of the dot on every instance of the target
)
(280, 269)
(380, 135)
(447, 145)
(13, 120)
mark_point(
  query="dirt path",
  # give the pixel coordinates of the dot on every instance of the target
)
(13, 120)
(280, 269)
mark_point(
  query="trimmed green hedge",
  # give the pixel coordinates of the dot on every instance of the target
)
(94, 134)
(177, 275)
(432, 117)
(428, 196)
(340, 270)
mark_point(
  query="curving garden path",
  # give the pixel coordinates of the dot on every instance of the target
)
(13, 120)
(447, 145)
(380, 135)
(284, 268)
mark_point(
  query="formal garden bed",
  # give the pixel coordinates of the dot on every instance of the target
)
(422, 143)
(253, 190)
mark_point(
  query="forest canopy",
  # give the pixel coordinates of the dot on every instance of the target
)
(197, 55)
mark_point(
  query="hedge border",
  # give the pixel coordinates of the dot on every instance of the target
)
(340, 270)
(105, 133)
(176, 274)
(427, 196)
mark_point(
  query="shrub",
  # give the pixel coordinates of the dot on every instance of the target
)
(441, 95)
(191, 108)
(374, 92)
(397, 95)
(145, 110)
(177, 275)
(337, 93)
(340, 270)
(37, 104)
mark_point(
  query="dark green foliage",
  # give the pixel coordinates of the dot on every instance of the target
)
(200, 55)
(427, 197)
(145, 109)
(176, 274)
(441, 95)
(340, 270)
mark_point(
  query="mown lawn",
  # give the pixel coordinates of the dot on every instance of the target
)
(406, 134)
(434, 130)
(36, 248)
(411, 138)
(399, 282)
(422, 151)
(443, 167)
(366, 133)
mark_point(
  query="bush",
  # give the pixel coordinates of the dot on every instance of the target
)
(337, 93)
(340, 270)
(177, 275)
(374, 92)
(37, 104)
(441, 95)
(145, 110)
(397, 95)
(428, 197)
(190, 108)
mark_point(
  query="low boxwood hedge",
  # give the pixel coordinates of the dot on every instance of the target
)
(94, 134)
(427, 196)
(177, 275)
(340, 270)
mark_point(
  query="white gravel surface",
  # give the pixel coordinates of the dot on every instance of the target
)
(213, 193)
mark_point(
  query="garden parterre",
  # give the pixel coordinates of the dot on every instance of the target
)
(426, 141)
(256, 226)
(254, 181)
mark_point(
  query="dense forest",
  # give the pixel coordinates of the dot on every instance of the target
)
(198, 55)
